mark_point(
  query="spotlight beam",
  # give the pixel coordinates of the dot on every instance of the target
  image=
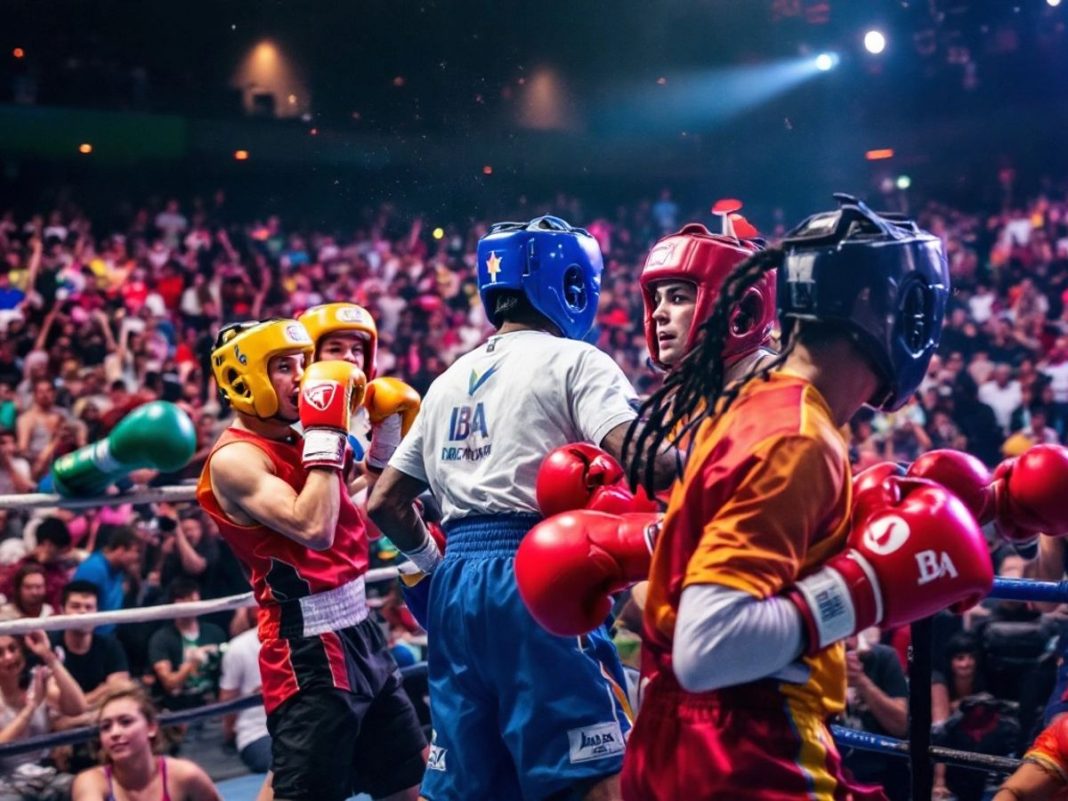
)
(707, 97)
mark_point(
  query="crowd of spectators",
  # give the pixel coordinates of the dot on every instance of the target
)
(95, 321)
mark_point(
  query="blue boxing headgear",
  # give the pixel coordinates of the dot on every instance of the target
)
(879, 276)
(556, 267)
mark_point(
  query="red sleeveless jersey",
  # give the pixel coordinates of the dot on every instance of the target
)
(282, 571)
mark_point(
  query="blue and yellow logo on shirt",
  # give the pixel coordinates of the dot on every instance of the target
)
(475, 381)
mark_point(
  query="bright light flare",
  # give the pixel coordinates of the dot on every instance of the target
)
(826, 61)
(874, 42)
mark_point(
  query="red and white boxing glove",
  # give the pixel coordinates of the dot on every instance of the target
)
(329, 393)
(582, 476)
(920, 554)
(391, 409)
(568, 566)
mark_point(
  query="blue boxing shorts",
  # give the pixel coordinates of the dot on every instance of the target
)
(518, 713)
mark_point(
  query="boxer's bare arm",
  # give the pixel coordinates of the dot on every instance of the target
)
(666, 467)
(1030, 782)
(1047, 566)
(390, 507)
(249, 492)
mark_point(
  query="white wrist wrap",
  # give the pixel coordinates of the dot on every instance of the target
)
(426, 557)
(385, 438)
(829, 604)
(324, 447)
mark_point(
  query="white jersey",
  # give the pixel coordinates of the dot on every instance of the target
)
(488, 421)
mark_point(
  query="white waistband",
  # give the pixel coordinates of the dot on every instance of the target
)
(334, 609)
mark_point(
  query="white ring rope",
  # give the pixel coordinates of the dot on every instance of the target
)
(145, 614)
(39, 500)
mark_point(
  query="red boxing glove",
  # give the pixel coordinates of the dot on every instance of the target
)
(568, 566)
(963, 475)
(1020, 538)
(619, 500)
(869, 492)
(919, 555)
(1034, 492)
(582, 476)
(329, 393)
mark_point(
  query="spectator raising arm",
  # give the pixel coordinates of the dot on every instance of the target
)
(192, 562)
(63, 693)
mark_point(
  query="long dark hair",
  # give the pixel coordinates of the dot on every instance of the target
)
(696, 388)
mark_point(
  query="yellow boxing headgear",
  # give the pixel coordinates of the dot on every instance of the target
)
(240, 357)
(331, 318)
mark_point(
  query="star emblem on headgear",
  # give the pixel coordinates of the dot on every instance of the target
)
(493, 266)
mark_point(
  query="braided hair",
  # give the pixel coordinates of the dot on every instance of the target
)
(697, 387)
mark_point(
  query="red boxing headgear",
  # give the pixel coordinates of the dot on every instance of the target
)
(704, 259)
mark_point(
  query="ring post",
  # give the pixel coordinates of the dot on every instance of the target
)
(920, 709)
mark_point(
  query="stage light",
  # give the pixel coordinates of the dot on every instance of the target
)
(85, 148)
(874, 42)
(826, 61)
(438, 233)
(241, 155)
(1053, 3)
(265, 54)
(487, 170)
(879, 154)
(18, 52)
(903, 182)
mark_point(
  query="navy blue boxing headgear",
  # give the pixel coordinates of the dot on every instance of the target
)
(557, 267)
(879, 276)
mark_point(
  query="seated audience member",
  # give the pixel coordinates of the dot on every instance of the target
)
(241, 676)
(110, 567)
(130, 741)
(15, 472)
(964, 676)
(28, 594)
(185, 654)
(96, 661)
(877, 702)
(968, 717)
(52, 552)
(187, 552)
(30, 696)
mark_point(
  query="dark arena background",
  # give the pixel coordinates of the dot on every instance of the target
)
(169, 168)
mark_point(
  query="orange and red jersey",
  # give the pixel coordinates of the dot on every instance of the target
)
(763, 502)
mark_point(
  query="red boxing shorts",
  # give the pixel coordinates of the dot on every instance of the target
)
(745, 743)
